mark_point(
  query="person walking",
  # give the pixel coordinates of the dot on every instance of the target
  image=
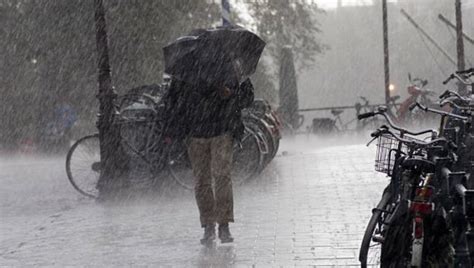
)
(208, 117)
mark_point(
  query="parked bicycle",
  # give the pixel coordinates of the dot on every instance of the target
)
(140, 126)
(265, 122)
(257, 148)
(328, 125)
(462, 134)
(421, 236)
(418, 92)
(419, 219)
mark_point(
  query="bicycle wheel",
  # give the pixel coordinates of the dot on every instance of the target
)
(247, 160)
(179, 166)
(396, 250)
(248, 157)
(83, 165)
(141, 128)
(437, 249)
(371, 247)
(266, 139)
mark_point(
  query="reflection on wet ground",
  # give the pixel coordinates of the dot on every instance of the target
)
(310, 207)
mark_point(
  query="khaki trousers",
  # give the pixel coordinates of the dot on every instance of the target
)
(211, 160)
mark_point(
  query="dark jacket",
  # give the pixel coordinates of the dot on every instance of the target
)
(200, 110)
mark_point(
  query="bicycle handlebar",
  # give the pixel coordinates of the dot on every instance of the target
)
(383, 111)
(423, 82)
(445, 94)
(450, 93)
(468, 71)
(448, 79)
(452, 104)
(409, 143)
(458, 76)
(443, 113)
(365, 115)
(378, 132)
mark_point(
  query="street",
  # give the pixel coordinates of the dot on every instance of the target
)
(309, 208)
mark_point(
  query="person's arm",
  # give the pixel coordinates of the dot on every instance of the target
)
(246, 94)
(175, 111)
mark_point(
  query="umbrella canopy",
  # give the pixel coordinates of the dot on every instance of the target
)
(216, 55)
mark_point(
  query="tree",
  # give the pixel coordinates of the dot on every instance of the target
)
(47, 50)
(283, 23)
(288, 23)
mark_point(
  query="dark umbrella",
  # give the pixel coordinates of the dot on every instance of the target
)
(216, 55)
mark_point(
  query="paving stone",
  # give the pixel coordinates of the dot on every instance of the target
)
(309, 208)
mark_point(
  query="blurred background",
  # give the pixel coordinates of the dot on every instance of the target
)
(353, 64)
(48, 55)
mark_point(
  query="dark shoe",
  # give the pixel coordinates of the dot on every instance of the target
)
(209, 234)
(224, 233)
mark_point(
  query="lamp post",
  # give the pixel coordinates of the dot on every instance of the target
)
(386, 61)
(460, 43)
(106, 96)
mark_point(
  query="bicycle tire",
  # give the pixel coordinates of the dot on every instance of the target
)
(371, 228)
(267, 137)
(396, 251)
(183, 180)
(277, 146)
(186, 180)
(251, 142)
(438, 249)
(73, 176)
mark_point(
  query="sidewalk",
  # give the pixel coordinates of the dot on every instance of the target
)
(309, 208)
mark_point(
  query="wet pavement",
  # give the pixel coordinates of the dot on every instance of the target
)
(308, 208)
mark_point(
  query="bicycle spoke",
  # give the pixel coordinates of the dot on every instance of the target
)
(79, 165)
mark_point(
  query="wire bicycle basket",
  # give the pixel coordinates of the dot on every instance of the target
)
(387, 148)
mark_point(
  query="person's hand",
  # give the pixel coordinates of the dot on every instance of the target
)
(226, 92)
(168, 140)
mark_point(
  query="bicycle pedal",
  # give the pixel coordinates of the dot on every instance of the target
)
(96, 166)
(379, 210)
(378, 238)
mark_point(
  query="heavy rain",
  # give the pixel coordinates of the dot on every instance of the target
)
(236, 133)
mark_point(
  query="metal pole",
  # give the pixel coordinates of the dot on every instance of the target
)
(106, 97)
(410, 19)
(386, 60)
(460, 43)
(450, 24)
(225, 13)
(459, 38)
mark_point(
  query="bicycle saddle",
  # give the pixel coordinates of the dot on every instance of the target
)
(420, 163)
(336, 112)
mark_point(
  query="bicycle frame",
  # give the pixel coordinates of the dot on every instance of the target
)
(458, 194)
(432, 184)
(408, 172)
